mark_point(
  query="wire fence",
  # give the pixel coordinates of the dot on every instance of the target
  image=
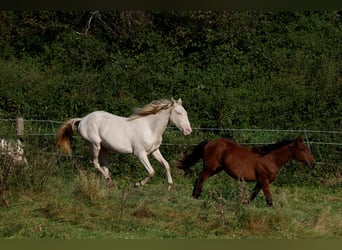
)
(325, 143)
(50, 127)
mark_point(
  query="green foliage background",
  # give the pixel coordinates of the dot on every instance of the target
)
(278, 71)
(232, 69)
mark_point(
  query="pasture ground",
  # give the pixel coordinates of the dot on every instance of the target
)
(81, 207)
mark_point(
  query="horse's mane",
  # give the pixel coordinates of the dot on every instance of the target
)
(264, 150)
(151, 108)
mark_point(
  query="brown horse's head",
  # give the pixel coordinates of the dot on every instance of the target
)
(302, 152)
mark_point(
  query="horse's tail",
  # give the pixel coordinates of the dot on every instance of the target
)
(65, 134)
(187, 161)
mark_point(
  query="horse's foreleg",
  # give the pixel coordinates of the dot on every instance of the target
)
(267, 193)
(158, 156)
(143, 158)
(255, 192)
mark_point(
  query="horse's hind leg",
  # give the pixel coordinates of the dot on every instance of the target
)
(96, 152)
(198, 186)
(103, 158)
(204, 175)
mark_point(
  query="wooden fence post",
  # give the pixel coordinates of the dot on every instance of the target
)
(20, 127)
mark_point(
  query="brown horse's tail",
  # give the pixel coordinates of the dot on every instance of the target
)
(65, 134)
(187, 161)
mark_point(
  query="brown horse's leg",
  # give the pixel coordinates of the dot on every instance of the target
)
(267, 193)
(198, 185)
(255, 191)
(204, 175)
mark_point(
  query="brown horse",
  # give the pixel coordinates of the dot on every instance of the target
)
(259, 164)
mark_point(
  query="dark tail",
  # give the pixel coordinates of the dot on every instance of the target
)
(187, 161)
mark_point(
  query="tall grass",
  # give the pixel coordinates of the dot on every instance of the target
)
(72, 201)
(89, 187)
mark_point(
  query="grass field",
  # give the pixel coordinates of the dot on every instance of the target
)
(81, 207)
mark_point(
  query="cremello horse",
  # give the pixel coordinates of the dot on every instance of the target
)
(139, 134)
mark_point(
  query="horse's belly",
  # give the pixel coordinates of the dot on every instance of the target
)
(117, 146)
(242, 174)
(250, 178)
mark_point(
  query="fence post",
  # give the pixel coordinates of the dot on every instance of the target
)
(20, 127)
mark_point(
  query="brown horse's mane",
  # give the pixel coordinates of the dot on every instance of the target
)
(264, 150)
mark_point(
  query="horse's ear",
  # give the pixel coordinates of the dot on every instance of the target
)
(297, 141)
(300, 138)
(173, 101)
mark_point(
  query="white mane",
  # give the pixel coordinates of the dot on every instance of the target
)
(151, 108)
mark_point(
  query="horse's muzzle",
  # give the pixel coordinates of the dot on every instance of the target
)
(187, 131)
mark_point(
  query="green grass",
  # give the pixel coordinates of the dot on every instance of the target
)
(81, 207)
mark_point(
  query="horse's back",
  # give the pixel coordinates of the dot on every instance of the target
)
(223, 145)
(99, 115)
(216, 150)
(237, 161)
(107, 129)
(100, 120)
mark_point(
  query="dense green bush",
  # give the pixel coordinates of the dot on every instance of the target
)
(230, 68)
(275, 70)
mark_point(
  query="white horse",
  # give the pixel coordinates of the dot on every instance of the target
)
(13, 149)
(139, 134)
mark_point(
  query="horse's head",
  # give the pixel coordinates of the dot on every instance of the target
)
(302, 152)
(179, 117)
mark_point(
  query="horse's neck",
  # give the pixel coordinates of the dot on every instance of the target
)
(281, 156)
(158, 122)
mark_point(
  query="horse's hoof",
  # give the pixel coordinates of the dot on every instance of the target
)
(169, 187)
(246, 202)
(110, 183)
(111, 186)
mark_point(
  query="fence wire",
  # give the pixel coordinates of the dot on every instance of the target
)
(326, 144)
(48, 128)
